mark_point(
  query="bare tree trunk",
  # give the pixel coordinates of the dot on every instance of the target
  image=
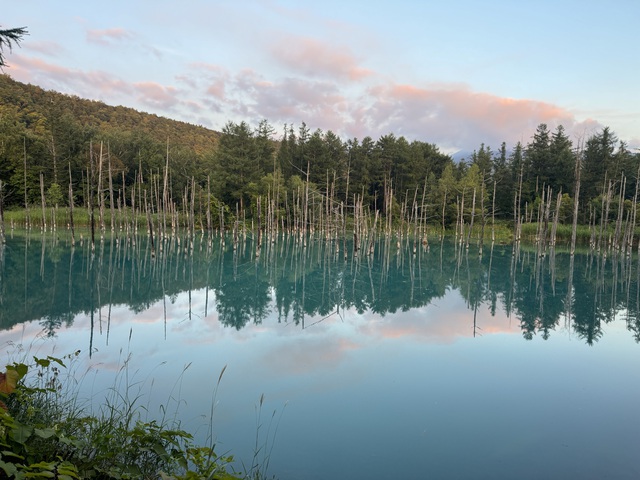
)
(209, 228)
(26, 197)
(306, 208)
(192, 211)
(100, 194)
(150, 224)
(634, 208)
(2, 237)
(473, 214)
(44, 213)
(90, 177)
(444, 206)
(483, 216)
(71, 226)
(556, 218)
(576, 202)
(493, 214)
(111, 199)
(165, 191)
(616, 237)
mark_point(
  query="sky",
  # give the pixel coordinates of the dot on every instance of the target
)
(454, 73)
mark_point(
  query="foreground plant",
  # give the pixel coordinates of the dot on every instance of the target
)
(44, 434)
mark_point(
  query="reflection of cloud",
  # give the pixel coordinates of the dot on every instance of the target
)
(307, 353)
(442, 323)
(179, 330)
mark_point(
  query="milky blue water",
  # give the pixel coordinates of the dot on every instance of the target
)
(440, 364)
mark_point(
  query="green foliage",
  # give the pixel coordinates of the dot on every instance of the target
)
(44, 434)
(54, 195)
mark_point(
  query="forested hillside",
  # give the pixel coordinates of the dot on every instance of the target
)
(49, 140)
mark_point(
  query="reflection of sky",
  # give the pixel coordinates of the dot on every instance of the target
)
(404, 395)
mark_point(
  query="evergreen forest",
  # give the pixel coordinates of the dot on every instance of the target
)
(58, 150)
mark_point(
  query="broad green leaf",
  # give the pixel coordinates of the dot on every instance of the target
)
(6, 453)
(56, 360)
(42, 362)
(44, 432)
(21, 368)
(9, 468)
(40, 475)
(21, 433)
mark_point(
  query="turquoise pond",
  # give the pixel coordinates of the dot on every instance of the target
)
(443, 363)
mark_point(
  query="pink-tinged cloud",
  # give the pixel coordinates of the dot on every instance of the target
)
(291, 100)
(92, 84)
(458, 117)
(316, 59)
(213, 80)
(217, 88)
(51, 49)
(451, 115)
(99, 85)
(156, 95)
(108, 36)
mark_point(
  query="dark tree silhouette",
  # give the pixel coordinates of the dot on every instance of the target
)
(10, 38)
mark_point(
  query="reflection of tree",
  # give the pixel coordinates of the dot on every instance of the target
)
(49, 287)
(593, 303)
(535, 302)
(242, 299)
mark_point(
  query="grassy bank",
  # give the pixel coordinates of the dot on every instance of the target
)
(501, 232)
(45, 432)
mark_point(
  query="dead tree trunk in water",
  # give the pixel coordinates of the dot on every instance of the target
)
(44, 212)
(92, 221)
(2, 239)
(71, 226)
(150, 224)
(112, 206)
(100, 194)
(26, 196)
(576, 201)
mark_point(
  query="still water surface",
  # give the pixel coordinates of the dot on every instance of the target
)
(442, 364)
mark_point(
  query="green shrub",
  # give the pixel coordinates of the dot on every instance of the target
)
(45, 434)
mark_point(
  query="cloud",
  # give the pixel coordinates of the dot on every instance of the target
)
(51, 49)
(100, 85)
(88, 84)
(457, 117)
(108, 36)
(291, 100)
(314, 58)
(329, 92)
(156, 95)
(452, 116)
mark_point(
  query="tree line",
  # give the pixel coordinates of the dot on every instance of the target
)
(49, 140)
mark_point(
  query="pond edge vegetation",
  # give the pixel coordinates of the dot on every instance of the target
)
(46, 431)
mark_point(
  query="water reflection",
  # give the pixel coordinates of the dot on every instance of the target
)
(42, 278)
